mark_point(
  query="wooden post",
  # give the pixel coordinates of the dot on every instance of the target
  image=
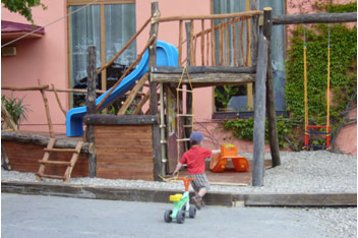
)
(180, 45)
(271, 109)
(47, 110)
(153, 104)
(91, 108)
(259, 114)
(188, 42)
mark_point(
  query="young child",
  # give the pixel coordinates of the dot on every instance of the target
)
(194, 158)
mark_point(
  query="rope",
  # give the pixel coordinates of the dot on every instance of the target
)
(48, 24)
(328, 95)
(305, 79)
(178, 89)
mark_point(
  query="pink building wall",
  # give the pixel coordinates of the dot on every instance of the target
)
(44, 59)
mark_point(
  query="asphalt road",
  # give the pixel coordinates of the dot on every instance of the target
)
(41, 216)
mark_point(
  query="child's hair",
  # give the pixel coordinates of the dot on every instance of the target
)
(193, 142)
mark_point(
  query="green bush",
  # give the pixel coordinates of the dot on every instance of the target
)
(349, 7)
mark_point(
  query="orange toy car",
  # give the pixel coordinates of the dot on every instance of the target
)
(228, 151)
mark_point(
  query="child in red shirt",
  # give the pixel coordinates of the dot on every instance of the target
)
(194, 158)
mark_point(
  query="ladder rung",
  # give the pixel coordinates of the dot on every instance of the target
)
(184, 90)
(54, 162)
(60, 150)
(163, 142)
(185, 139)
(50, 176)
(185, 115)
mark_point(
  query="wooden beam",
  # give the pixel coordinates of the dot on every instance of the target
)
(107, 119)
(132, 95)
(204, 79)
(91, 107)
(27, 138)
(271, 108)
(139, 106)
(260, 113)
(315, 18)
(210, 17)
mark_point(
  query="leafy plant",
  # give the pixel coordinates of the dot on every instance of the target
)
(16, 108)
(23, 7)
(224, 93)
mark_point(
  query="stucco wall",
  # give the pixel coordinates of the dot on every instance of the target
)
(44, 59)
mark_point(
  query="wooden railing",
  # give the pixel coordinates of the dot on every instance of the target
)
(220, 40)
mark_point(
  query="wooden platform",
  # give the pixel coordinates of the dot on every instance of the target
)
(230, 176)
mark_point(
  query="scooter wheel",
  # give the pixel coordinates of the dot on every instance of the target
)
(167, 216)
(192, 211)
(180, 217)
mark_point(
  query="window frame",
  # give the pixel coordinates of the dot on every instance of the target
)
(101, 4)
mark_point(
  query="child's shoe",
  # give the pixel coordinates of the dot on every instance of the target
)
(197, 200)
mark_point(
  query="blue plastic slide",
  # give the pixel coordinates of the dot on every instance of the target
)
(167, 55)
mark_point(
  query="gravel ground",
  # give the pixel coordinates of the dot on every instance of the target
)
(339, 222)
(300, 172)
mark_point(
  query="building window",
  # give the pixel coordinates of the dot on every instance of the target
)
(237, 98)
(106, 24)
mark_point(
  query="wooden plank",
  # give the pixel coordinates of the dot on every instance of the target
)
(120, 120)
(54, 162)
(315, 18)
(60, 150)
(131, 153)
(132, 95)
(46, 155)
(213, 63)
(73, 161)
(202, 42)
(271, 109)
(204, 69)
(260, 113)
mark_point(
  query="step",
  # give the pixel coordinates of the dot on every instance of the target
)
(55, 162)
(50, 176)
(61, 150)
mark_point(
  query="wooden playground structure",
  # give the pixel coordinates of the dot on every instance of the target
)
(147, 143)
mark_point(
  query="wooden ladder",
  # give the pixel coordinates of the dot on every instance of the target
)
(70, 164)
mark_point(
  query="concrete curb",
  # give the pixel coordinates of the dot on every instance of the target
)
(212, 198)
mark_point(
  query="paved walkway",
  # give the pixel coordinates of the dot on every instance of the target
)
(41, 216)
